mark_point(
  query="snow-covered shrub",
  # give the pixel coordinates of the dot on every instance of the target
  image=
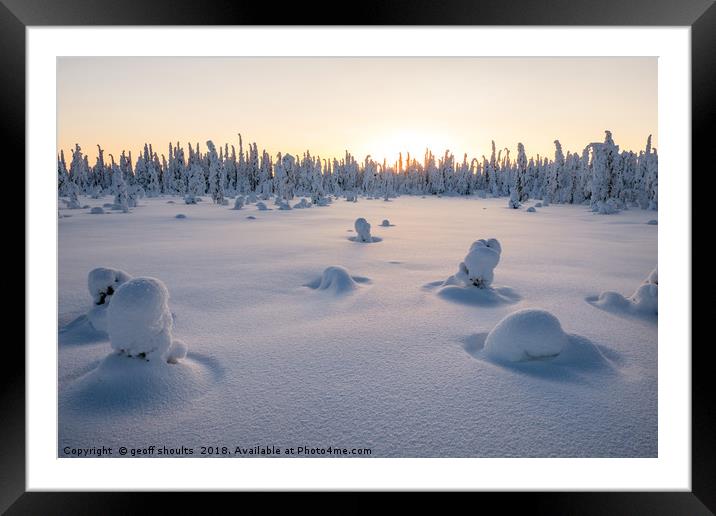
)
(644, 301)
(283, 205)
(140, 322)
(608, 207)
(261, 206)
(528, 334)
(385, 223)
(477, 268)
(190, 199)
(239, 202)
(531, 209)
(538, 205)
(102, 284)
(97, 210)
(362, 228)
(335, 279)
(251, 198)
(180, 216)
(303, 203)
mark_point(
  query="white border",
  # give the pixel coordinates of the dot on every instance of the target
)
(671, 471)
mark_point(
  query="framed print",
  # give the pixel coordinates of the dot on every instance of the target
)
(419, 253)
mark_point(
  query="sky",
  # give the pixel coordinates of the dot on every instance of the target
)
(376, 106)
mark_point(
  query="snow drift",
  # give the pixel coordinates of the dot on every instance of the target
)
(337, 280)
(526, 335)
(644, 301)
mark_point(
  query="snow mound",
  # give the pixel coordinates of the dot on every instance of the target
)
(284, 205)
(190, 199)
(531, 209)
(139, 321)
(528, 334)
(103, 282)
(108, 205)
(261, 206)
(386, 223)
(251, 217)
(180, 216)
(362, 228)
(251, 198)
(120, 384)
(538, 205)
(238, 202)
(97, 210)
(472, 283)
(644, 301)
(337, 279)
(653, 222)
(477, 268)
(303, 203)
(363, 235)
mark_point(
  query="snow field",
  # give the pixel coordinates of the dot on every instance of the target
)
(396, 368)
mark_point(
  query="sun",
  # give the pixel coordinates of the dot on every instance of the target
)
(391, 144)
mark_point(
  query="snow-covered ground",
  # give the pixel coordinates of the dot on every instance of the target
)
(380, 358)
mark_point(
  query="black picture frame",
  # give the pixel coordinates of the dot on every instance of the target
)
(700, 15)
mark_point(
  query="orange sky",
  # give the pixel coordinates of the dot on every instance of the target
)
(377, 106)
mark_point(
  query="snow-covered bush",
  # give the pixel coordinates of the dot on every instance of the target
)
(531, 209)
(97, 210)
(362, 228)
(180, 216)
(335, 279)
(283, 205)
(261, 206)
(644, 301)
(477, 268)
(190, 199)
(303, 203)
(140, 322)
(385, 223)
(102, 283)
(528, 334)
(251, 198)
(239, 202)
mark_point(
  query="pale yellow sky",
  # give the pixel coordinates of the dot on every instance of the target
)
(377, 106)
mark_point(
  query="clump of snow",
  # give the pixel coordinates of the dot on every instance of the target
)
(251, 217)
(477, 268)
(97, 210)
(190, 199)
(177, 351)
(180, 216)
(531, 209)
(102, 283)
(362, 228)
(386, 223)
(261, 206)
(170, 202)
(283, 205)
(303, 203)
(538, 205)
(337, 279)
(644, 301)
(238, 202)
(528, 334)
(653, 222)
(139, 321)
